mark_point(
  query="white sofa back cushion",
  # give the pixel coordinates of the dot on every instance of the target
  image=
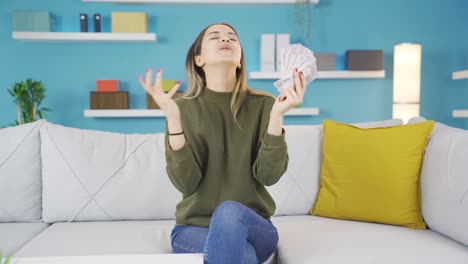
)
(444, 182)
(295, 193)
(20, 173)
(102, 176)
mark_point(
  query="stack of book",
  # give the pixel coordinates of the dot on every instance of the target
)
(108, 96)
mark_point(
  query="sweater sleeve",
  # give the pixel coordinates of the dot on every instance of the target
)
(182, 168)
(272, 158)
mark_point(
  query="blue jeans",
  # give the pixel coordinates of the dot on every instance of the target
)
(236, 234)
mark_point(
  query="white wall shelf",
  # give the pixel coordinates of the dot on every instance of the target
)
(160, 113)
(324, 75)
(460, 113)
(123, 113)
(201, 1)
(303, 112)
(83, 36)
(458, 75)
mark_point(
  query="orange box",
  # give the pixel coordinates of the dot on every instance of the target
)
(107, 85)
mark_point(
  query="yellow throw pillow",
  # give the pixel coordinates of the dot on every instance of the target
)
(372, 174)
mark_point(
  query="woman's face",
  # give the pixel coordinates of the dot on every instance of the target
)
(220, 45)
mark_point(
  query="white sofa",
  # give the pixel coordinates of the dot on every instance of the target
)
(68, 191)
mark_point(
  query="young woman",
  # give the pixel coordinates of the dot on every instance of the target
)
(224, 143)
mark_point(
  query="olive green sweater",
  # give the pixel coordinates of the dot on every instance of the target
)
(220, 161)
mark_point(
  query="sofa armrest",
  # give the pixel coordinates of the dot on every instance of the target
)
(444, 182)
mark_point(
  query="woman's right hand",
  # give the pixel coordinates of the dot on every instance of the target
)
(162, 99)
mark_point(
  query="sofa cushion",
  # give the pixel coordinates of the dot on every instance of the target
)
(100, 176)
(186, 258)
(296, 191)
(444, 182)
(13, 236)
(101, 238)
(372, 174)
(319, 240)
(20, 173)
(104, 238)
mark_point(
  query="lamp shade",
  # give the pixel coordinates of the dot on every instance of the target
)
(406, 80)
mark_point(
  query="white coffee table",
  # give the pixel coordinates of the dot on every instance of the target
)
(115, 259)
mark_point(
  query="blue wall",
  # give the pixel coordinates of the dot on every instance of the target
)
(69, 70)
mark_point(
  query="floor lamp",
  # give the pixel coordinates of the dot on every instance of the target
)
(406, 81)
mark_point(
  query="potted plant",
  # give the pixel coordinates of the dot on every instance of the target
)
(28, 96)
(303, 9)
(6, 261)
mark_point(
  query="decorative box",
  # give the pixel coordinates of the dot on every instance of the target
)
(107, 85)
(109, 100)
(326, 61)
(36, 21)
(282, 41)
(129, 22)
(364, 60)
(267, 53)
(167, 86)
(151, 104)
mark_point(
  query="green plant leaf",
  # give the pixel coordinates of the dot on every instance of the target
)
(27, 95)
(7, 260)
(41, 112)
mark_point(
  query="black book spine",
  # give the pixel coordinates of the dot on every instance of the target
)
(83, 23)
(97, 22)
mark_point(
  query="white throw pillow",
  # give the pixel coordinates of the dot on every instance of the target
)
(296, 191)
(20, 173)
(102, 176)
(444, 181)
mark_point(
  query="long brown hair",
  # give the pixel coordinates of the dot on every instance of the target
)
(196, 80)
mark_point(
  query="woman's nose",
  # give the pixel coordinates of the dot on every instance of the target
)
(225, 39)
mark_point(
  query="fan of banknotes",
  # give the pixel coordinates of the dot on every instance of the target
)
(296, 56)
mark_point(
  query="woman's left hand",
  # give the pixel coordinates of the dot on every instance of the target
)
(291, 96)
